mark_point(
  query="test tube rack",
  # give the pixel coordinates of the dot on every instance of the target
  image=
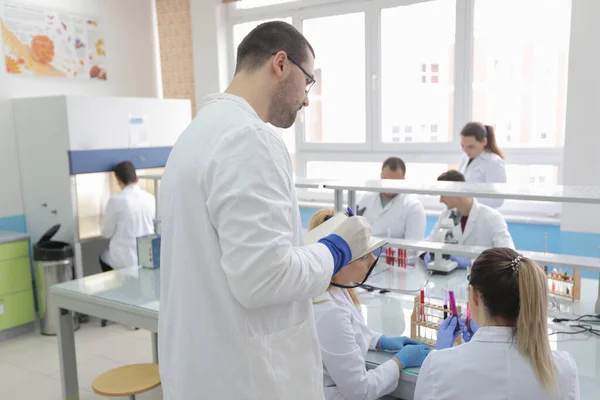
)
(563, 285)
(425, 322)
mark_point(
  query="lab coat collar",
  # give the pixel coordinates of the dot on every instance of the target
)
(495, 334)
(211, 98)
(398, 199)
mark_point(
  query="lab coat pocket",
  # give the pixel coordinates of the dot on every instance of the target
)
(287, 364)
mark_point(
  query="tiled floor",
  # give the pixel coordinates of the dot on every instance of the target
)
(29, 367)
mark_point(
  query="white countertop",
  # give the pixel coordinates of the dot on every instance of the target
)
(7, 236)
(389, 313)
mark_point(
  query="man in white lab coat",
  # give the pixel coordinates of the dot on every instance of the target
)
(475, 224)
(401, 216)
(235, 317)
(129, 214)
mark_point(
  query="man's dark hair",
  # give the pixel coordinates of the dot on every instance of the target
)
(451, 176)
(267, 39)
(394, 164)
(125, 172)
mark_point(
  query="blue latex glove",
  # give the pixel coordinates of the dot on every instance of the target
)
(462, 262)
(448, 333)
(413, 355)
(467, 336)
(428, 258)
(342, 255)
(396, 343)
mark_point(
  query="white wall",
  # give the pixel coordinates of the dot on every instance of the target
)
(582, 142)
(129, 28)
(209, 24)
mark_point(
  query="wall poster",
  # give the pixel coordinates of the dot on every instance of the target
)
(51, 43)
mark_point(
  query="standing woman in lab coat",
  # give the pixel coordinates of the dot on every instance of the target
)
(129, 214)
(483, 161)
(509, 355)
(345, 339)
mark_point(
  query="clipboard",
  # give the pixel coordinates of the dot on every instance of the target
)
(330, 225)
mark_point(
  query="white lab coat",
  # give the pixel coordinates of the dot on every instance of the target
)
(491, 367)
(345, 340)
(129, 214)
(485, 227)
(236, 317)
(403, 217)
(488, 167)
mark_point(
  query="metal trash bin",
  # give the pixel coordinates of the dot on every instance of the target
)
(53, 262)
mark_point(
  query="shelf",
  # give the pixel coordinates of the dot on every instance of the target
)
(556, 260)
(555, 193)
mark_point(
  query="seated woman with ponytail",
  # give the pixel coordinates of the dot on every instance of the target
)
(345, 339)
(507, 352)
(483, 161)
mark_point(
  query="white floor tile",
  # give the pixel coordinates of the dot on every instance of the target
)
(29, 366)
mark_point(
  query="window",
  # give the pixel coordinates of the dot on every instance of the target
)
(520, 69)
(417, 72)
(337, 111)
(400, 77)
(245, 4)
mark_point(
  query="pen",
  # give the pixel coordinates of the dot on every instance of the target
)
(349, 212)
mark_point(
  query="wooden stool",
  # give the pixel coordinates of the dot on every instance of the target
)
(128, 380)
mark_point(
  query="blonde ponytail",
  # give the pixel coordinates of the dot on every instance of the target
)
(317, 219)
(532, 326)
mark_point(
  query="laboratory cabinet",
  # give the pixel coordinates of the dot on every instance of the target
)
(68, 146)
(17, 309)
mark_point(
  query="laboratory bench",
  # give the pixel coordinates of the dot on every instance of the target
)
(17, 308)
(131, 297)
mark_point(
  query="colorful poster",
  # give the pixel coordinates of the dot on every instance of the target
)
(50, 43)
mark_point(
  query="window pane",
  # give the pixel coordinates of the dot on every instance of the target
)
(520, 69)
(525, 175)
(239, 33)
(415, 172)
(337, 109)
(259, 3)
(417, 72)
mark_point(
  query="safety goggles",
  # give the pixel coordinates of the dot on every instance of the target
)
(376, 254)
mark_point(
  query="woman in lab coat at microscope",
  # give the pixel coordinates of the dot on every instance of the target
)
(507, 352)
(345, 339)
(482, 161)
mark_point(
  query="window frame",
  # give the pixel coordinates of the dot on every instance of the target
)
(374, 149)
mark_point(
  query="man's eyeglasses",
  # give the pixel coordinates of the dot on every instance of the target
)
(311, 79)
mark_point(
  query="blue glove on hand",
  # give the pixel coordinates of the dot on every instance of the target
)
(396, 343)
(462, 262)
(428, 258)
(412, 355)
(467, 336)
(448, 333)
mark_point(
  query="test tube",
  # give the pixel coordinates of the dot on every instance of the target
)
(445, 303)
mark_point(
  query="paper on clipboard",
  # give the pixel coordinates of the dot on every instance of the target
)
(330, 225)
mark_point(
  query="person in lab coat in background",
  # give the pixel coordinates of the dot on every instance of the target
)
(507, 352)
(129, 214)
(345, 339)
(482, 161)
(475, 224)
(401, 216)
(236, 318)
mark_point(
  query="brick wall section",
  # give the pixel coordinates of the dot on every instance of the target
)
(176, 54)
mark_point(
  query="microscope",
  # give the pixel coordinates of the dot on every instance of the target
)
(444, 234)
